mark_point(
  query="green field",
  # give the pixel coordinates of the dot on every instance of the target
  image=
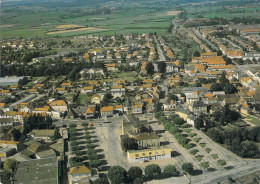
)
(253, 120)
(27, 23)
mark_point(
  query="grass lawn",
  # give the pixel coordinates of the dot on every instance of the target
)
(84, 98)
(253, 120)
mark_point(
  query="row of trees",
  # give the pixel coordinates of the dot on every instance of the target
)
(37, 121)
(118, 174)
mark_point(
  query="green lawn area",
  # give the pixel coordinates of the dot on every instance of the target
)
(253, 120)
(85, 98)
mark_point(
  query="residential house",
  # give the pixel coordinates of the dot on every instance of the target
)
(198, 107)
(118, 91)
(168, 105)
(192, 97)
(78, 173)
(6, 122)
(59, 105)
(5, 92)
(107, 111)
(96, 99)
(111, 67)
(90, 112)
(61, 90)
(150, 106)
(87, 89)
(137, 108)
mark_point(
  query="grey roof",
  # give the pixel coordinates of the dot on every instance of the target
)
(47, 153)
(198, 104)
(6, 120)
(38, 171)
(192, 117)
(192, 89)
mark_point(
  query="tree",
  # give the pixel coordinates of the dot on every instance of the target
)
(159, 114)
(9, 164)
(95, 163)
(117, 174)
(216, 87)
(128, 143)
(187, 167)
(178, 121)
(134, 172)
(198, 123)
(152, 170)
(138, 181)
(173, 129)
(205, 165)
(149, 68)
(229, 88)
(171, 170)
(5, 177)
(249, 149)
(101, 181)
(162, 67)
(219, 53)
(107, 97)
(196, 54)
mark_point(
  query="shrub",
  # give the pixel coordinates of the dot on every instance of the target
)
(197, 139)
(171, 170)
(185, 126)
(215, 156)
(203, 145)
(221, 162)
(205, 165)
(192, 134)
(187, 130)
(194, 151)
(199, 157)
(208, 150)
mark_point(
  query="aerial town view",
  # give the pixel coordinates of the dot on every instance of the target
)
(129, 91)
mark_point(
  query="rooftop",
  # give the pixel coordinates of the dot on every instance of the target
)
(38, 171)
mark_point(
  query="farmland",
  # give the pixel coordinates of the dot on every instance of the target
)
(52, 22)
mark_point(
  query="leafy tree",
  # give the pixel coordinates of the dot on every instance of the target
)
(107, 97)
(249, 149)
(162, 67)
(152, 170)
(198, 123)
(134, 172)
(171, 170)
(5, 177)
(178, 121)
(117, 174)
(9, 164)
(128, 143)
(159, 114)
(215, 135)
(101, 181)
(216, 87)
(138, 181)
(173, 130)
(219, 53)
(95, 163)
(196, 54)
(229, 88)
(187, 167)
(205, 165)
(149, 68)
